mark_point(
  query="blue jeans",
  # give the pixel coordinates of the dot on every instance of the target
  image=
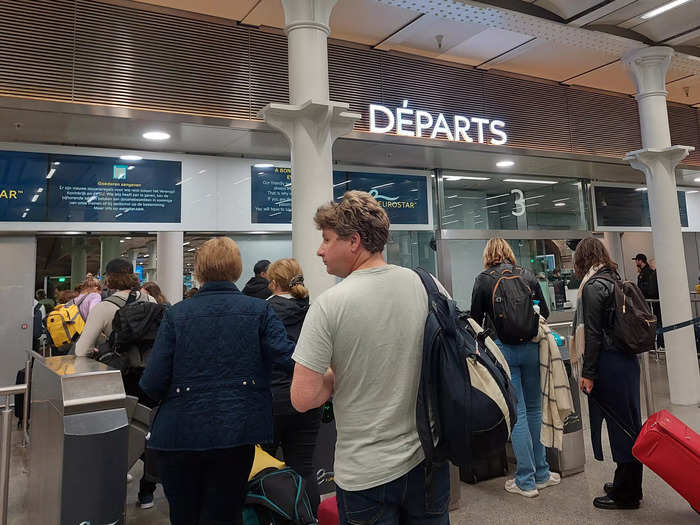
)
(524, 362)
(412, 499)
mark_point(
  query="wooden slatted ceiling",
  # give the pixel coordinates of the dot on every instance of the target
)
(536, 113)
(36, 48)
(602, 124)
(159, 61)
(685, 130)
(98, 53)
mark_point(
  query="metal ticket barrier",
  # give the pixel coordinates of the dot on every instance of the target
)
(79, 454)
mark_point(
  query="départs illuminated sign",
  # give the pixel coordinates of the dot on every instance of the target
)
(408, 122)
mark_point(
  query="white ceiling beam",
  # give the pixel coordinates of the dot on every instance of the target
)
(468, 11)
(682, 38)
(600, 13)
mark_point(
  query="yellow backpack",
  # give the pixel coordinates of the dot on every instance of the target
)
(64, 324)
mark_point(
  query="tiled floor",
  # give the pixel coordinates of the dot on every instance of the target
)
(568, 503)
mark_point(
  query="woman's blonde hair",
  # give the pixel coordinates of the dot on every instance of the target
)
(218, 259)
(497, 251)
(89, 283)
(286, 273)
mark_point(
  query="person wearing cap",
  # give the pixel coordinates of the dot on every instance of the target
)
(257, 286)
(120, 276)
(648, 284)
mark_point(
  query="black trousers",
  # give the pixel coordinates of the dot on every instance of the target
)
(297, 434)
(131, 378)
(627, 485)
(208, 487)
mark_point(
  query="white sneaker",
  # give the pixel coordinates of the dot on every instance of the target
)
(513, 488)
(554, 479)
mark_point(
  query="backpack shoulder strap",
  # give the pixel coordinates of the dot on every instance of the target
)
(116, 301)
(428, 282)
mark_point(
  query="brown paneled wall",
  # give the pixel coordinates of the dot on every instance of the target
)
(100, 53)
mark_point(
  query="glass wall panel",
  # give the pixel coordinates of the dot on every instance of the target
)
(617, 206)
(551, 260)
(488, 201)
(412, 249)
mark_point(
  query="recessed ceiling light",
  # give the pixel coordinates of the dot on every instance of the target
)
(39, 190)
(156, 135)
(128, 238)
(53, 170)
(56, 163)
(640, 189)
(191, 249)
(505, 164)
(185, 243)
(559, 204)
(35, 198)
(131, 157)
(121, 240)
(464, 177)
(263, 165)
(663, 9)
(531, 181)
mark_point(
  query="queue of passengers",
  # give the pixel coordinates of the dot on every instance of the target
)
(229, 371)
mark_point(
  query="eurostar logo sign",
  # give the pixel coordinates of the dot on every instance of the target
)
(408, 122)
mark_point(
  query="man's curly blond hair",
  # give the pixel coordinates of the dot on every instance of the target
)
(359, 213)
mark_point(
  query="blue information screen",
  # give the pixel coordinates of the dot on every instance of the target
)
(40, 187)
(271, 195)
(404, 197)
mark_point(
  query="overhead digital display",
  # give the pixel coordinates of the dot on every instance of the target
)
(40, 187)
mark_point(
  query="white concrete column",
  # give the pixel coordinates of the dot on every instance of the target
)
(613, 241)
(170, 265)
(132, 256)
(658, 160)
(109, 249)
(78, 261)
(311, 123)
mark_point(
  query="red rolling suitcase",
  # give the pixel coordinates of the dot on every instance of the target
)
(328, 512)
(671, 449)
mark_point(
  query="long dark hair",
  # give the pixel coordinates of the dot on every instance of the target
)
(591, 252)
(154, 291)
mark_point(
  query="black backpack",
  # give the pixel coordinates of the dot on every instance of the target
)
(134, 330)
(514, 317)
(37, 321)
(634, 324)
(463, 385)
(278, 497)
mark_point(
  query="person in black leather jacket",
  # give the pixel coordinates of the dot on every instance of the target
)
(532, 473)
(609, 375)
(295, 432)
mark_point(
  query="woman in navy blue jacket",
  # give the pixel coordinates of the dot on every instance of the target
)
(210, 369)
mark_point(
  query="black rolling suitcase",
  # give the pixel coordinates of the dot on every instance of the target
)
(495, 465)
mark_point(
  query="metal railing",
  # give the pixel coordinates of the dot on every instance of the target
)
(6, 422)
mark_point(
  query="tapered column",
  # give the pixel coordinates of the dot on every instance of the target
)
(311, 123)
(658, 160)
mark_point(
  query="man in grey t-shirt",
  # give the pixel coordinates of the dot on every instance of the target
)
(362, 342)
